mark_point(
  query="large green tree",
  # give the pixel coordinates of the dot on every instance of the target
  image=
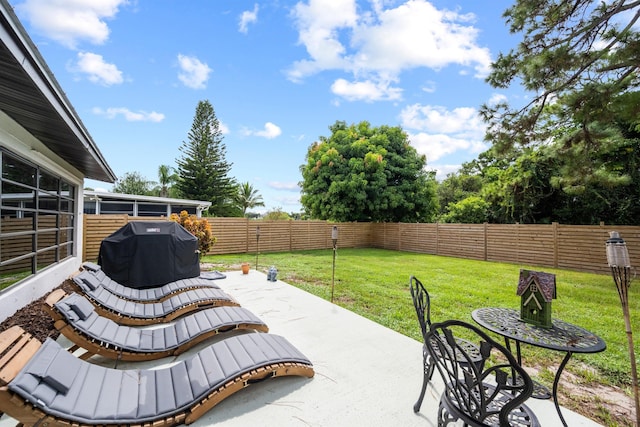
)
(522, 191)
(457, 187)
(579, 60)
(132, 183)
(364, 173)
(614, 199)
(203, 171)
(545, 184)
(576, 58)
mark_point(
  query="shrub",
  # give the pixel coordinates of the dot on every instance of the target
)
(199, 227)
(276, 214)
(472, 210)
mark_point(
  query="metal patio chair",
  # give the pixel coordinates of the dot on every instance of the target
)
(478, 394)
(422, 304)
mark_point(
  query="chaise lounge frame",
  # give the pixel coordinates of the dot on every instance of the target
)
(94, 275)
(191, 300)
(94, 346)
(17, 347)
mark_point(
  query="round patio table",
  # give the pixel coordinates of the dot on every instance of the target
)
(562, 336)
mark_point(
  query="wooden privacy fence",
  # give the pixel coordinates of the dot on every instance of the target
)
(238, 235)
(573, 247)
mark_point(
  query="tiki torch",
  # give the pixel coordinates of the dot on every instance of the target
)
(618, 260)
(257, 245)
(334, 238)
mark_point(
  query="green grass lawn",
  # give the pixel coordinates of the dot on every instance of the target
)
(375, 284)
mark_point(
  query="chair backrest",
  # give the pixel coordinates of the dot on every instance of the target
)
(422, 304)
(481, 393)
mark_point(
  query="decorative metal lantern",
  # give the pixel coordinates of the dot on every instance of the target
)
(272, 273)
(617, 253)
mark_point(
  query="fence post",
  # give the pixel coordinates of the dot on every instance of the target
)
(486, 228)
(246, 231)
(518, 243)
(555, 244)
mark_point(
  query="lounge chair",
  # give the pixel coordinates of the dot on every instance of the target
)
(207, 275)
(43, 384)
(75, 317)
(93, 276)
(135, 313)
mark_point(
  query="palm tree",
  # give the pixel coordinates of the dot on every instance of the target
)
(248, 197)
(166, 177)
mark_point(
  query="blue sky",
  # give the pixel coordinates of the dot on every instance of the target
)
(278, 74)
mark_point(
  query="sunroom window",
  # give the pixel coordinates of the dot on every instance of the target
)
(37, 224)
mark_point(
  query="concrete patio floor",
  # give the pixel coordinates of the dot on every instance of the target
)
(365, 374)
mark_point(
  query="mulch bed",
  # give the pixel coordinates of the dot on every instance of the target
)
(33, 319)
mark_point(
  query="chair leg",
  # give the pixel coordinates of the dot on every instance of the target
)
(444, 417)
(428, 373)
(418, 404)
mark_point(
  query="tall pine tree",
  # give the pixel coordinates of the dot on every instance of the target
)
(202, 168)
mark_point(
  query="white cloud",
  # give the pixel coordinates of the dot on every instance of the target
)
(438, 132)
(318, 22)
(497, 98)
(377, 45)
(288, 186)
(435, 146)
(248, 17)
(193, 73)
(223, 128)
(417, 34)
(429, 87)
(130, 116)
(289, 201)
(365, 90)
(69, 22)
(461, 120)
(97, 70)
(443, 170)
(270, 131)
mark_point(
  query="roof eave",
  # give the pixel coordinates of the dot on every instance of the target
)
(30, 95)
